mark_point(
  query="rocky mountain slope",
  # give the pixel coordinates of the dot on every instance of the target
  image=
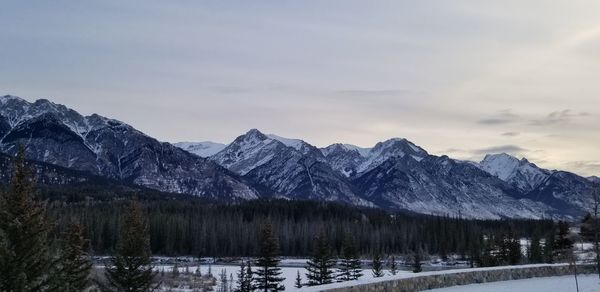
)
(58, 135)
(395, 174)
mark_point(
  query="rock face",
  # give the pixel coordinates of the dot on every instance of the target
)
(293, 170)
(395, 174)
(442, 186)
(521, 174)
(55, 134)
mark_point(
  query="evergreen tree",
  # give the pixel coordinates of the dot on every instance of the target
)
(298, 282)
(268, 273)
(418, 257)
(244, 281)
(73, 265)
(549, 248)
(535, 253)
(321, 264)
(377, 266)
(350, 264)
(514, 251)
(563, 245)
(393, 266)
(24, 228)
(223, 280)
(249, 277)
(131, 267)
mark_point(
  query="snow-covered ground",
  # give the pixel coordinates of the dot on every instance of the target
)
(587, 283)
(289, 273)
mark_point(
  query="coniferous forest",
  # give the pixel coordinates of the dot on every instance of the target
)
(188, 226)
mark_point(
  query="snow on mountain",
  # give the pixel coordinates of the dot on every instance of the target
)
(55, 134)
(293, 169)
(202, 149)
(395, 174)
(352, 160)
(522, 174)
(294, 143)
(443, 186)
(594, 179)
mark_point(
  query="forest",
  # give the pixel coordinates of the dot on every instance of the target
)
(189, 226)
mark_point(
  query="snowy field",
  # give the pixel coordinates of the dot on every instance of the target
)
(289, 273)
(587, 283)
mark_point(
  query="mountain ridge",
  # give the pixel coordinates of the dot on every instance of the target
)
(395, 174)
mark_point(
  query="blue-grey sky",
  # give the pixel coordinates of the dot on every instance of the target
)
(462, 78)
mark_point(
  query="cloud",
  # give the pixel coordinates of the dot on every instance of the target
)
(510, 149)
(558, 117)
(510, 134)
(502, 117)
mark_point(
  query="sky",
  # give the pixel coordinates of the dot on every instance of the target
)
(461, 78)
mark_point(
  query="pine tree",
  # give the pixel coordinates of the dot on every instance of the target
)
(350, 264)
(514, 251)
(393, 266)
(320, 266)
(377, 266)
(549, 249)
(249, 277)
(24, 228)
(223, 280)
(563, 245)
(268, 271)
(417, 261)
(535, 250)
(73, 265)
(131, 267)
(244, 281)
(298, 282)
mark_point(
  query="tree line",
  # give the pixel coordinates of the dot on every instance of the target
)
(187, 226)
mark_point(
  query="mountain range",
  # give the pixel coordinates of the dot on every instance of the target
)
(395, 174)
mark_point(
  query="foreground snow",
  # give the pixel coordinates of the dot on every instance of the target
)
(587, 283)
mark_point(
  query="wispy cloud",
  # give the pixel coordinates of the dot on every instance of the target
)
(502, 117)
(558, 117)
(510, 149)
(510, 134)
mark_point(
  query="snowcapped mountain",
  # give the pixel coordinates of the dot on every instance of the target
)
(521, 174)
(202, 149)
(58, 135)
(289, 168)
(353, 161)
(395, 174)
(443, 186)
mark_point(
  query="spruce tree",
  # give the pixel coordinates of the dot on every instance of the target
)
(249, 277)
(244, 278)
(377, 266)
(350, 263)
(417, 261)
(393, 266)
(73, 265)
(320, 266)
(131, 267)
(535, 250)
(298, 282)
(268, 271)
(549, 249)
(24, 228)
